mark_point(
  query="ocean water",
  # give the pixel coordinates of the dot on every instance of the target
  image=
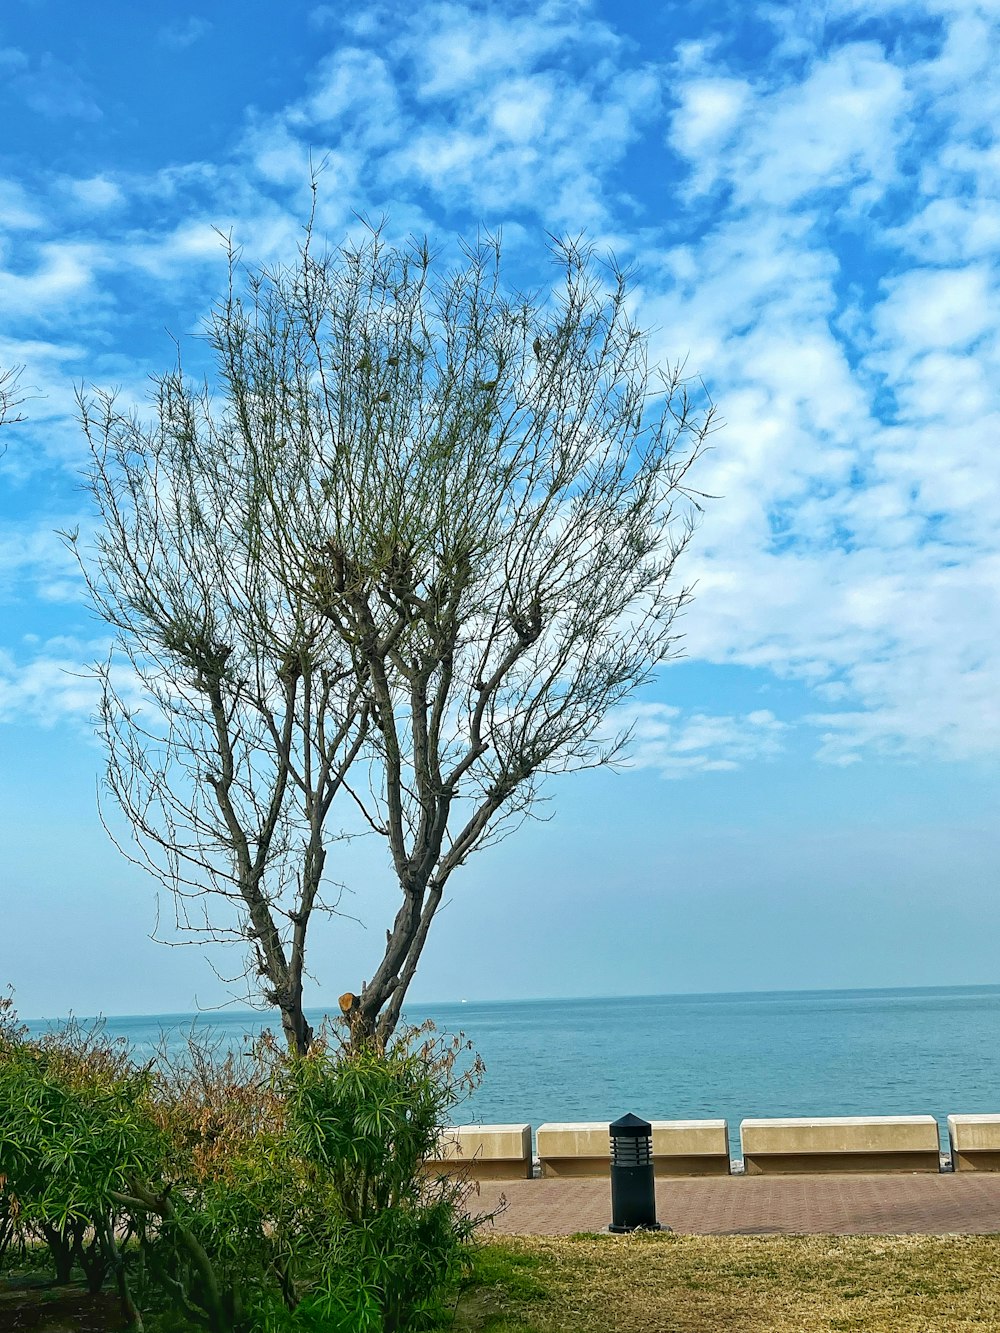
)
(783, 1053)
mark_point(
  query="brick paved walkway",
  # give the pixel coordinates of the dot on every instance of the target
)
(758, 1205)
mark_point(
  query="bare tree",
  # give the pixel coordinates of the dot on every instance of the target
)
(229, 711)
(456, 510)
(488, 509)
(11, 396)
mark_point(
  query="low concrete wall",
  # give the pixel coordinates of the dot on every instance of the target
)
(691, 1147)
(574, 1148)
(840, 1144)
(680, 1148)
(975, 1142)
(846, 1144)
(484, 1152)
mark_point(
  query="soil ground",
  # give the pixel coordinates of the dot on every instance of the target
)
(43, 1306)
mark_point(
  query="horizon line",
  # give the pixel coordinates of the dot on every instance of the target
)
(534, 999)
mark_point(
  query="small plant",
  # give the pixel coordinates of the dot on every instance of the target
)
(365, 1116)
(12, 1232)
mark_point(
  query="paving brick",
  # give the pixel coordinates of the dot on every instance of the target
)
(759, 1205)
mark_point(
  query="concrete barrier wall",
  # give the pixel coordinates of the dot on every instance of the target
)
(788, 1145)
(484, 1152)
(840, 1144)
(680, 1148)
(574, 1148)
(691, 1147)
(975, 1142)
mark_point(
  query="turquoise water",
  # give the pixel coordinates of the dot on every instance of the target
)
(784, 1053)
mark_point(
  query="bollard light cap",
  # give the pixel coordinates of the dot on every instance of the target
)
(630, 1127)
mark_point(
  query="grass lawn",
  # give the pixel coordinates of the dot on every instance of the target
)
(739, 1284)
(668, 1284)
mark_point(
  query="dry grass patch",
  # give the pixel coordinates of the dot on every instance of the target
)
(735, 1284)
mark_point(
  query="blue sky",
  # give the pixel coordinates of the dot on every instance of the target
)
(810, 195)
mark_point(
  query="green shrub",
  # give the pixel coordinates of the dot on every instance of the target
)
(260, 1191)
(234, 1181)
(75, 1129)
(394, 1239)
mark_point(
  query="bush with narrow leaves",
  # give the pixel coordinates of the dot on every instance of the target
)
(365, 1117)
(257, 1191)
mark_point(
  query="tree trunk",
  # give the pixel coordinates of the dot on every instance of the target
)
(296, 1027)
(61, 1248)
(130, 1312)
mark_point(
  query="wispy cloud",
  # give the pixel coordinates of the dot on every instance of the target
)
(35, 564)
(676, 743)
(182, 33)
(95, 193)
(50, 683)
(817, 229)
(857, 543)
(17, 212)
(62, 272)
(51, 87)
(490, 111)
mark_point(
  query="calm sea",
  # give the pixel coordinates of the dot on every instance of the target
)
(784, 1053)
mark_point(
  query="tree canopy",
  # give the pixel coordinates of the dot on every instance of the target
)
(408, 553)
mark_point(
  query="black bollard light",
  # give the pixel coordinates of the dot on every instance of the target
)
(633, 1199)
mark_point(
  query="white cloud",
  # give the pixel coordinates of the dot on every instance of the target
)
(520, 109)
(835, 128)
(708, 116)
(927, 309)
(96, 193)
(17, 212)
(35, 564)
(54, 684)
(831, 270)
(857, 542)
(946, 387)
(51, 682)
(709, 113)
(951, 231)
(456, 48)
(480, 109)
(182, 33)
(676, 744)
(164, 254)
(64, 272)
(352, 81)
(278, 155)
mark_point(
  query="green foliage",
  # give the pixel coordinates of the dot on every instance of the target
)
(364, 1117)
(75, 1125)
(348, 1106)
(12, 1232)
(259, 1191)
(225, 1124)
(392, 1272)
(75, 1128)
